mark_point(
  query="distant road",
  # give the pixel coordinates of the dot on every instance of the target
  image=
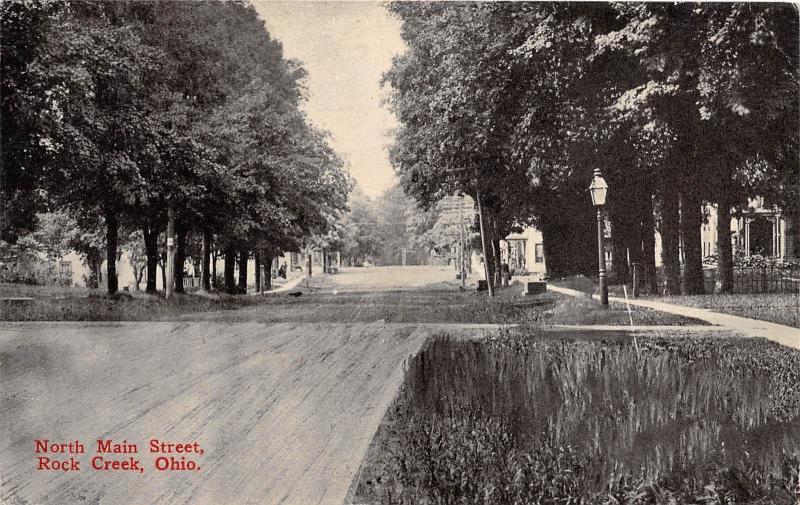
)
(373, 279)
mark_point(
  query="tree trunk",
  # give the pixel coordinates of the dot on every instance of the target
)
(691, 224)
(205, 280)
(137, 277)
(214, 257)
(620, 242)
(649, 246)
(496, 261)
(634, 249)
(670, 239)
(112, 239)
(243, 257)
(94, 272)
(151, 250)
(267, 272)
(724, 282)
(163, 266)
(230, 265)
(570, 238)
(180, 256)
(257, 260)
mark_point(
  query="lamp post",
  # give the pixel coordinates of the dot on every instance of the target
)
(598, 190)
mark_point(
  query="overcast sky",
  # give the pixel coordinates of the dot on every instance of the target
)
(345, 47)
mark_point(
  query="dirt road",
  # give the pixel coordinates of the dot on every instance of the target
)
(375, 279)
(282, 412)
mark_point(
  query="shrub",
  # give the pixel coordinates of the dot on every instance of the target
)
(22, 263)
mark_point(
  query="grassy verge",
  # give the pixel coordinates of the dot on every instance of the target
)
(522, 419)
(423, 306)
(8, 290)
(122, 308)
(571, 310)
(781, 308)
(776, 308)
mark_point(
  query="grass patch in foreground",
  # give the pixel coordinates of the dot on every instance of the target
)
(781, 308)
(525, 420)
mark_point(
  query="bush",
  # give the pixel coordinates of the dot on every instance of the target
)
(21, 263)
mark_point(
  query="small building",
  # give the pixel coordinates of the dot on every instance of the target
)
(524, 252)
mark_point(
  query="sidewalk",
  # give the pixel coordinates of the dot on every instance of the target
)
(290, 283)
(785, 335)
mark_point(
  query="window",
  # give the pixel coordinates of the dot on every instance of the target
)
(66, 268)
(539, 253)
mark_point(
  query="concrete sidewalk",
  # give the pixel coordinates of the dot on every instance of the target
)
(290, 283)
(785, 335)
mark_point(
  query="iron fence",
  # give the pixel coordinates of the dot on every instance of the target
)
(751, 279)
(192, 282)
(766, 279)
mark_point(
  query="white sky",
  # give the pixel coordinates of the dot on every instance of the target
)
(345, 47)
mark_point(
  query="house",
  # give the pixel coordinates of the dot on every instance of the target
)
(757, 229)
(524, 252)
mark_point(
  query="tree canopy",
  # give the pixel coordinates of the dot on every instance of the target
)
(123, 109)
(677, 104)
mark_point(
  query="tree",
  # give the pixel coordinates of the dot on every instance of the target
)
(359, 234)
(94, 135)
(474, 92)
(132, 108)
(133, 246)
(57, 233)
(749, 105)
(715, 78)
(25, 26)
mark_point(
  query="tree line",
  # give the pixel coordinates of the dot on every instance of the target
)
(391, 228)
(679, 105)
(119, 113)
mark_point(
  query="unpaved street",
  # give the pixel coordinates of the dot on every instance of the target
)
(283, 411)
(395, 278)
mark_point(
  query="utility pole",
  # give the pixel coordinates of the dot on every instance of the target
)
(489, 285)
(169, 289)
(461, 230)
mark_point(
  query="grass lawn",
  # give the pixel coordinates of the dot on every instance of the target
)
(8, 290)
(571, 310)
(530, 418)
(776, 308)
(781, 308)
(442, 305)
(95, 307)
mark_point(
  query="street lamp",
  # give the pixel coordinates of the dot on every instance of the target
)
(598, 190)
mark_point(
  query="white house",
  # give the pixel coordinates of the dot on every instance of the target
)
(758, 229)
(524, 252)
